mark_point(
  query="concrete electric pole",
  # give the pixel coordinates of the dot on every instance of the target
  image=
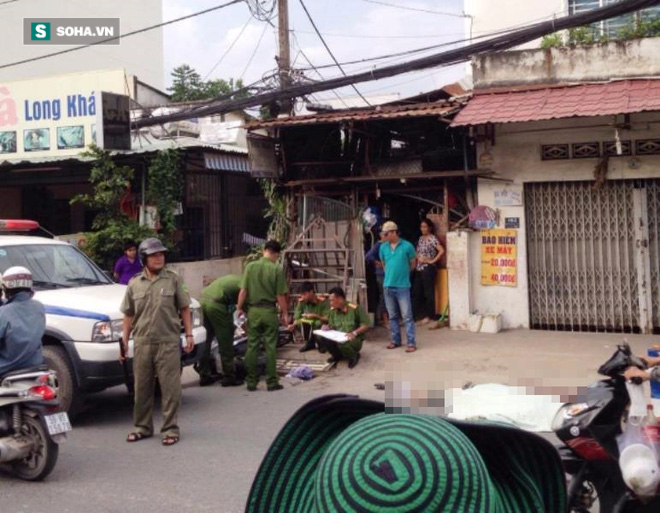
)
(284, 58)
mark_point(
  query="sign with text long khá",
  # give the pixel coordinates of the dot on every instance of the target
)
(62, 114)
(499, 257)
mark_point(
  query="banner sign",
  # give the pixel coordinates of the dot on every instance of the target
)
(58, 115)
(499, 258)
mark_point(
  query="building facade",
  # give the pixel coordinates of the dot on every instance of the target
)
(573, 137)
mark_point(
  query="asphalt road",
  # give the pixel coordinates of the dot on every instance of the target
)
(224, 435)
(226, 431)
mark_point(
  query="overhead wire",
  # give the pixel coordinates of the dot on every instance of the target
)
(304, 56)
(229, 47)
(441, 59)
(417, 9)
(263, 32)
(123, 36)
(311, 20)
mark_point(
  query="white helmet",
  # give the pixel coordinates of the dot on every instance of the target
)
(640, 469)
(17, 277)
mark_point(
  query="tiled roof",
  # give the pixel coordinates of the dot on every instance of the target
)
(439, 109)
(582, 100)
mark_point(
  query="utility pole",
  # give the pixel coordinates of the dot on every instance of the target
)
(284, 58)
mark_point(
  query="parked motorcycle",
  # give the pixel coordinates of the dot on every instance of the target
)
(31, 425)
(589, 429)
(240, 347)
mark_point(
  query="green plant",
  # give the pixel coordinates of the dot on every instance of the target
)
(582, 36)
(165, 189)
(641, 27)
(112, 228)
(277, 213)
(187, 85)
(552, 41)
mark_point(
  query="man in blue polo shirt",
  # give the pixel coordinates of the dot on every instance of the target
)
(398, 258)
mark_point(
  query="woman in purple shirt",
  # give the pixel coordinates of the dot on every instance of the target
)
(128, 265)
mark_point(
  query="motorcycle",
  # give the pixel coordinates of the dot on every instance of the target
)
(589, 429)
(240, 347)
(31, 425)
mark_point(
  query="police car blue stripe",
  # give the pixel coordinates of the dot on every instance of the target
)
(71, 312)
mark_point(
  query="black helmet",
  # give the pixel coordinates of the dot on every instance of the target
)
(149, 247)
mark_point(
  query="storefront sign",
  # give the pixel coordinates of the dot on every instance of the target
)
(499, 257)
(57, 116)
(511, 222)
(509, 196)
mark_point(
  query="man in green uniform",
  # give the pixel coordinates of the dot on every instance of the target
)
(262, 288)
(350, 319)
(155, 304)
(218, 304)
(310, 313)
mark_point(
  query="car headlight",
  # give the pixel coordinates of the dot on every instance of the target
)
(107, 331)
(197, 317)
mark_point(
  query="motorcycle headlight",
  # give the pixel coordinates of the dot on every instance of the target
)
(197, 317)
(107, 331)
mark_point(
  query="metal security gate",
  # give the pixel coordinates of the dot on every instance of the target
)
(593, 255)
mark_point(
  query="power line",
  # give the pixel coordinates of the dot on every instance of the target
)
(128, 34)
(316, 70)
(417, 9)
(230, 47)
(8, 2)
(359, 36)
(311, 20)
(453, 56)
(263, 32)
(484, 34)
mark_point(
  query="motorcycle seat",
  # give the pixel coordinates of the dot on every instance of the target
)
(18, 372)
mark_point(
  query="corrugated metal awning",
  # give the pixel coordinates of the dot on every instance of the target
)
(381, 112)
(220, 162)
(581, 100)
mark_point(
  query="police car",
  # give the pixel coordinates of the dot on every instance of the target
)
(83, 321)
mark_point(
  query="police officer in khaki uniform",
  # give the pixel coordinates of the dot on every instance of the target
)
(262, 288)
(350, 319)
(310, 313)
(155, 303)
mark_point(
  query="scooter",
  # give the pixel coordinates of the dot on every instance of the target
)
(589, 429)
(31, 425)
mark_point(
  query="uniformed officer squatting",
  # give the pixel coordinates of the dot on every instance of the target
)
(218, 304)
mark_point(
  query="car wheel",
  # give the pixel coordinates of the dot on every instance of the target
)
(68, 394)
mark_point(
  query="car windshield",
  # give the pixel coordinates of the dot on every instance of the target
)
(53, 265)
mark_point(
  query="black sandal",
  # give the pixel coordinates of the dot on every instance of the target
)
(170, 440)
(136, 437)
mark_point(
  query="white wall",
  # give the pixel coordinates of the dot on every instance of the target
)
(495, 15)
(600, 62)
(516, 156)
(197, 275)
(140, 55)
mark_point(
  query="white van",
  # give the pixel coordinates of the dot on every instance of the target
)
(83, 321)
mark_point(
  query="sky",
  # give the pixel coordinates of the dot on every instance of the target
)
(353, 29)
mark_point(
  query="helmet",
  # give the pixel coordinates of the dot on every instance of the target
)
(17, 277)
(149, 247)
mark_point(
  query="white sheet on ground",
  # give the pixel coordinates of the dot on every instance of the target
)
(501, 403)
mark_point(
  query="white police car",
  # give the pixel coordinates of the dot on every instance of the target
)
(83, 321)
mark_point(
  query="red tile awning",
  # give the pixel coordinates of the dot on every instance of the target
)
(606, 99)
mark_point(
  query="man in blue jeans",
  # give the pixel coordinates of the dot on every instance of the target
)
(398, 258)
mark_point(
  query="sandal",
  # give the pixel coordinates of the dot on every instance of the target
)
(411, 349)
(136, 437)
(392, 346)
(170, 440)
